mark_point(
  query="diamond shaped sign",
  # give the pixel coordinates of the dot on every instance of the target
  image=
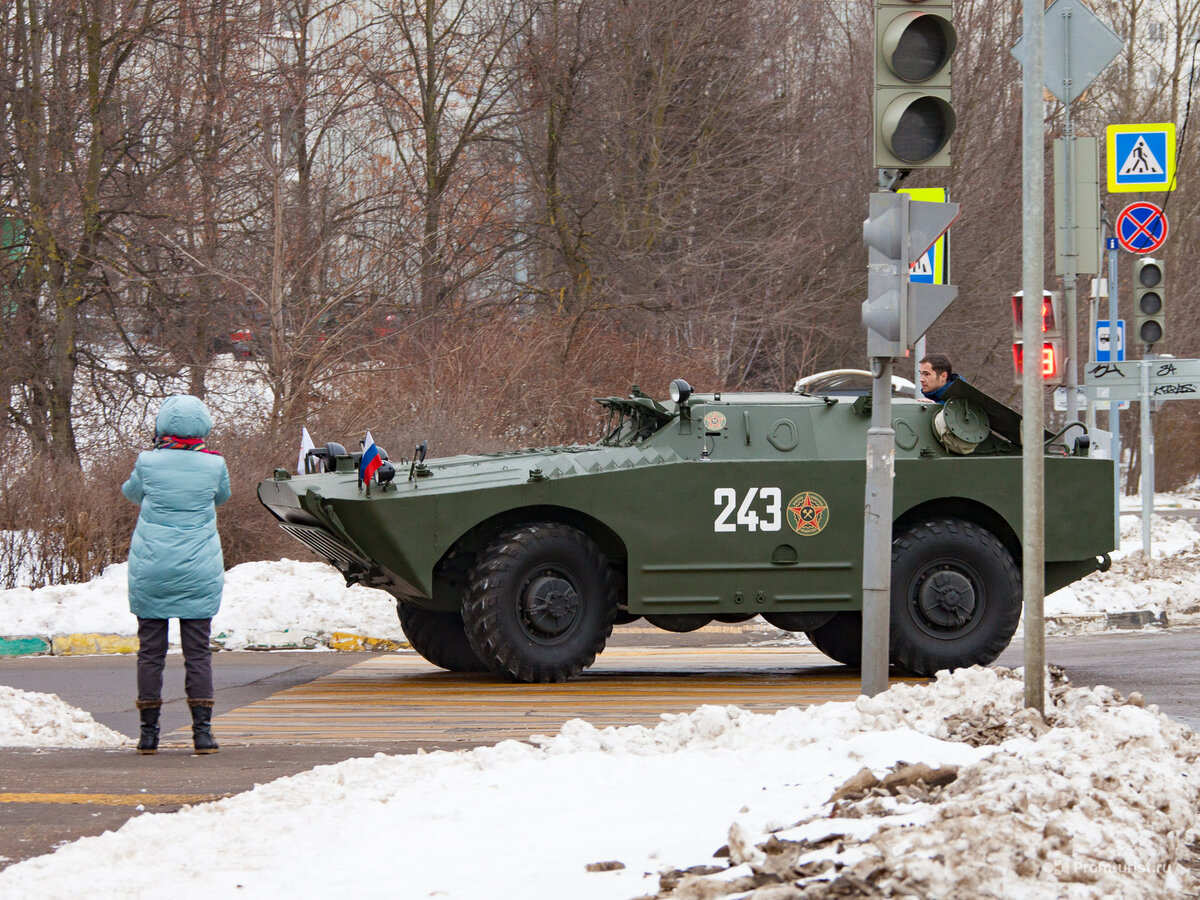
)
(1078, 48)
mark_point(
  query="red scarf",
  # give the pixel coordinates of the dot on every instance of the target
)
(172, 442)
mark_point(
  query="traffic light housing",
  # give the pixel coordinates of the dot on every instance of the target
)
(1050, 360)
(913, 116)
(1149, 311)
(897, 232)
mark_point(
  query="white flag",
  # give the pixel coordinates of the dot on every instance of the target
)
(306, 444)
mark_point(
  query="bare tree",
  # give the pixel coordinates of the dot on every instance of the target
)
(73, 162)
(443, 76)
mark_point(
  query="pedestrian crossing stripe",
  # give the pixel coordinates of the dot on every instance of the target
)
(1141, 157)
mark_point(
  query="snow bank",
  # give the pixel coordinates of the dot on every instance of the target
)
(1167, 584)
(1098, 803)
(261, 600)
(30, 719)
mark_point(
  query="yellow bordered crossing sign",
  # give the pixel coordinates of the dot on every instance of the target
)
(934, 266)
(1141, 157)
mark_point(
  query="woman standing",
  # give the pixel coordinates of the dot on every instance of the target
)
(176, 570)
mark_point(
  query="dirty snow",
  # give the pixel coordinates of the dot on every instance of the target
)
(1098, 804)
(30, 719)
(1168, 584)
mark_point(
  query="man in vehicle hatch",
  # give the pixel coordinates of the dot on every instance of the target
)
(937, 372)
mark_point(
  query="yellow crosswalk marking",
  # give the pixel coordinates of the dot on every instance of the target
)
(111, 799)
(401, 697)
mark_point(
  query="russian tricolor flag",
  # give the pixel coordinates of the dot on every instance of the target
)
(370, 462)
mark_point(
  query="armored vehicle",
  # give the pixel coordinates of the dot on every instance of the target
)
(705, 507)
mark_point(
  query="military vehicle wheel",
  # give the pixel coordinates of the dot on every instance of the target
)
(680, 623)
(840, 638)
(541, 603)
(439, 637)
(956, 596)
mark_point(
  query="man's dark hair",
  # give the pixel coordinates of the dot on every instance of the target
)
(939, 362)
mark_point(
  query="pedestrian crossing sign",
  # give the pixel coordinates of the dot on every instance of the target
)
(934, 266)
(1141, 157)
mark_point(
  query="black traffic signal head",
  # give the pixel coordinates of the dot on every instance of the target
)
(1148, 307)
(913, 118)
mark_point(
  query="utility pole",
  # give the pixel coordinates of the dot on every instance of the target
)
(1033, 262)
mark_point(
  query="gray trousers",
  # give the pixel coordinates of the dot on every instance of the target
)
(152, 657)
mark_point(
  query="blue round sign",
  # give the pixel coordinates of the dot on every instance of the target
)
(1142, 227)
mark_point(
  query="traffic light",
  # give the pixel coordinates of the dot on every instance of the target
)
(913, 118)
(1051, 354)
(1149, 315)
(897, 233)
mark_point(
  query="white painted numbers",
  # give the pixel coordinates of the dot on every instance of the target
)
(761, 509)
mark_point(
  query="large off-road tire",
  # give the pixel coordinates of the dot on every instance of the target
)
(840, 638)
(541, 603)
(439, 637)
(956, 596)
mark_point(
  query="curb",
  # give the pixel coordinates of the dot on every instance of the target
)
(94, 644)
(24, 645)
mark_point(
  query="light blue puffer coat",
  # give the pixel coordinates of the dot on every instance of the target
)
(175, 565)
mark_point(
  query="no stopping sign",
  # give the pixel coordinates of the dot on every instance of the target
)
(1142, 227)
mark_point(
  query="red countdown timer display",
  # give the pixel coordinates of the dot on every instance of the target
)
(1051, 352)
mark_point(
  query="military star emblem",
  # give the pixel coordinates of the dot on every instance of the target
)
(808, 513)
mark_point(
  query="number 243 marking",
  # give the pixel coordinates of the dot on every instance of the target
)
(747, 515)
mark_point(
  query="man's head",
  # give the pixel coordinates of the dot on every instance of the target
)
(935, 371)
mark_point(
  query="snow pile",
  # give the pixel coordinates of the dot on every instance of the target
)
(1097, 804)
(30, 719)
(261, 601)
(1168, 583)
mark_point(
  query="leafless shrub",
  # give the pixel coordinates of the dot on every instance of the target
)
(58, 525)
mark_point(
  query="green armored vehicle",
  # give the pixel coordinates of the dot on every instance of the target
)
(705, 507)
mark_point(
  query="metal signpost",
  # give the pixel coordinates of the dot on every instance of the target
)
(912, 120)
(897, 311)
(1032, 260)
(1083, 46)
(1147, 381)
(1114, 414)
(1088, 46)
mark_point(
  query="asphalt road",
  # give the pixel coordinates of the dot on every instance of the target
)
(285, 712)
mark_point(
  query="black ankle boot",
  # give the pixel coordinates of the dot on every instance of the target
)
(148, 710)
(202, 736)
